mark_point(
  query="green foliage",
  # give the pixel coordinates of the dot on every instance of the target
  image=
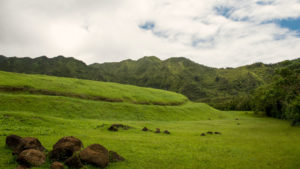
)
(221, 88)
(293, 111)
(280, 99)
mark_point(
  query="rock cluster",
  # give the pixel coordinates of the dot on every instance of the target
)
(29, 151)
(210, 133)
(156, 131)
(65, 148)
(69, 150)
(116, 127)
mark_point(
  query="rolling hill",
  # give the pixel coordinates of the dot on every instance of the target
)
(49, 108)
(217, 87)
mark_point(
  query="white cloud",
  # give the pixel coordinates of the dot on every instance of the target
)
(105, 31)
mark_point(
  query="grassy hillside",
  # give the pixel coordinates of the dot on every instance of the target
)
(38, 84)
(247, 141)
(66, 107)
(197, 82)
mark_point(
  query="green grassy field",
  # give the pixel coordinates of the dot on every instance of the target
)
(257, 143)
(41, 84)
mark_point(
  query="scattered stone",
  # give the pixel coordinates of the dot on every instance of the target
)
(167, 132)
(95, 154)
(30, 152)
(115, 127)
(203, 134)
(13, 141)
(217, 132)
(74, 162)
(125, 127)
(28, 143)
(145, 129)
(65, 148)
(209, 132)
(57, 165)
(31, 157)
(157, 130)
(115, 157)
(112, 128)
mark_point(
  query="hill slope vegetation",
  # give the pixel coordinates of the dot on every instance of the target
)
(246, 141)
(224, 88)
(86, 89)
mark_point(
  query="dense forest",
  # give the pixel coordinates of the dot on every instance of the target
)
(270, 88)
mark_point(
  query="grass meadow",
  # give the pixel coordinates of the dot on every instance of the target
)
(247, 141)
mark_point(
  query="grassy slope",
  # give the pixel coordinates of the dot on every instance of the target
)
(111, 91)
(217, 87)
(256, 143)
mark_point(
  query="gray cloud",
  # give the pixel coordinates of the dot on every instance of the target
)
(211, 32)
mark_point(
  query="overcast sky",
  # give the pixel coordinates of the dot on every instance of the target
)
(218, 33)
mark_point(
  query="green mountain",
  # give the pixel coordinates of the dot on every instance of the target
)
(218, 87)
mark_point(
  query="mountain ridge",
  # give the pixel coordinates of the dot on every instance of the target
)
(215, 86)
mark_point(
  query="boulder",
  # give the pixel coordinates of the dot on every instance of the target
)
(125, 127)
(157, 130)
(209, 132)
(65, 148)
(13, 141)
(167, 132)
(74, 162)
(57, 165)
(115, 157)
(203, 134)
(28, 143)
(217, 132)
(145, 129)
(113, 128)
(31, 157)
(95, 154)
